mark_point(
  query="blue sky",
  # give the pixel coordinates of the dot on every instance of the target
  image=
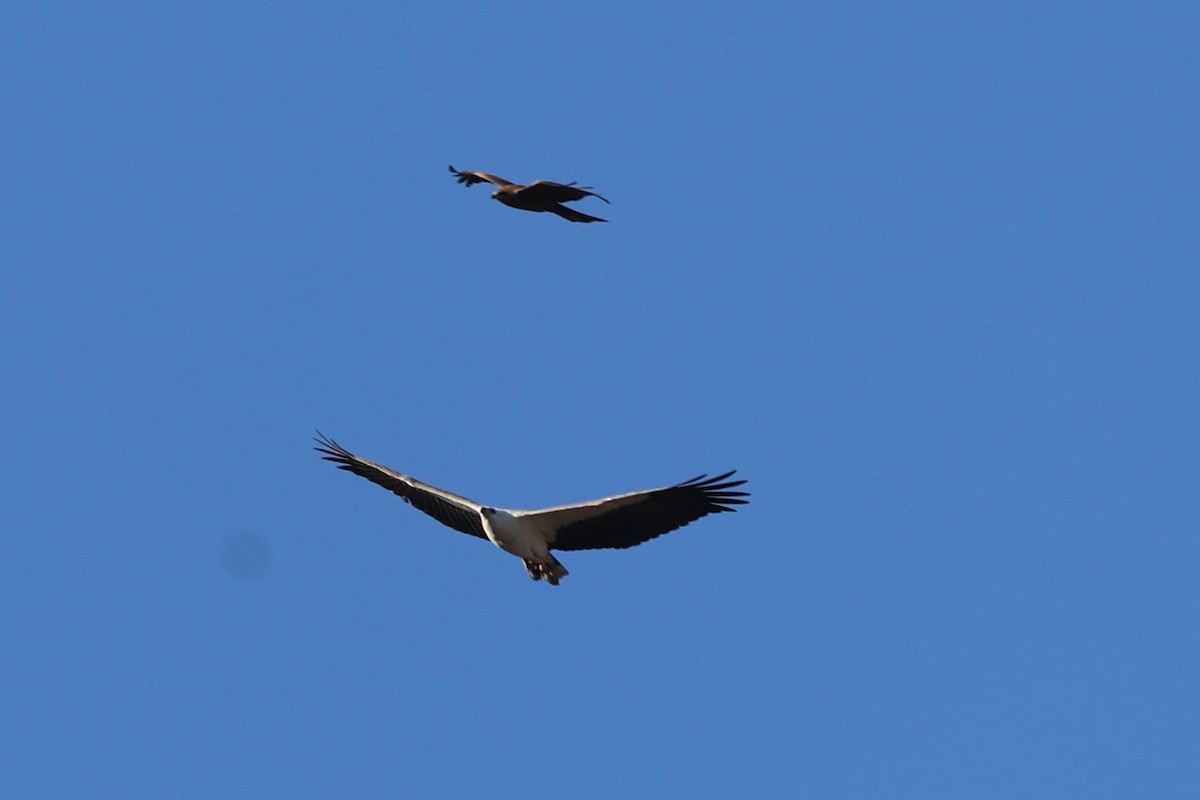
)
(924, 273)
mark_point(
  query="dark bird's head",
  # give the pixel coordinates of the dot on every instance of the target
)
(488, 511)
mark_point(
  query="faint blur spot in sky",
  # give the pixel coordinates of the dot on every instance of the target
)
(246, 555)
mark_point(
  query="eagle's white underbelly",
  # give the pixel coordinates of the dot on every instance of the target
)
(506, 532)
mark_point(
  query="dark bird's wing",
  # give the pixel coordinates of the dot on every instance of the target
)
(447, 508)
(472, 178)
(630, 519)
(566, 212)
(557, 192)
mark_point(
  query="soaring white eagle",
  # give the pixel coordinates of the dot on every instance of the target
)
(537, 196)
(621, 521)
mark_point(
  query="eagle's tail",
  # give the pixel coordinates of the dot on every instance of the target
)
(550, 572)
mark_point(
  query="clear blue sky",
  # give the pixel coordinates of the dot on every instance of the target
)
(925, 273)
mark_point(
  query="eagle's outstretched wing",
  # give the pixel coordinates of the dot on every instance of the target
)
(630, 519)
(472, 178)
(558, 192)
(446, 507)
(566, 212)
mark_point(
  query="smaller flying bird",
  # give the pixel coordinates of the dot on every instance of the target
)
(537, 196)
(620, 521)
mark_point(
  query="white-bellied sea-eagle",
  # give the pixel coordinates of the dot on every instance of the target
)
(620, 521)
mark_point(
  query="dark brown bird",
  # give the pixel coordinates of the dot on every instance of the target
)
(537, 196)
